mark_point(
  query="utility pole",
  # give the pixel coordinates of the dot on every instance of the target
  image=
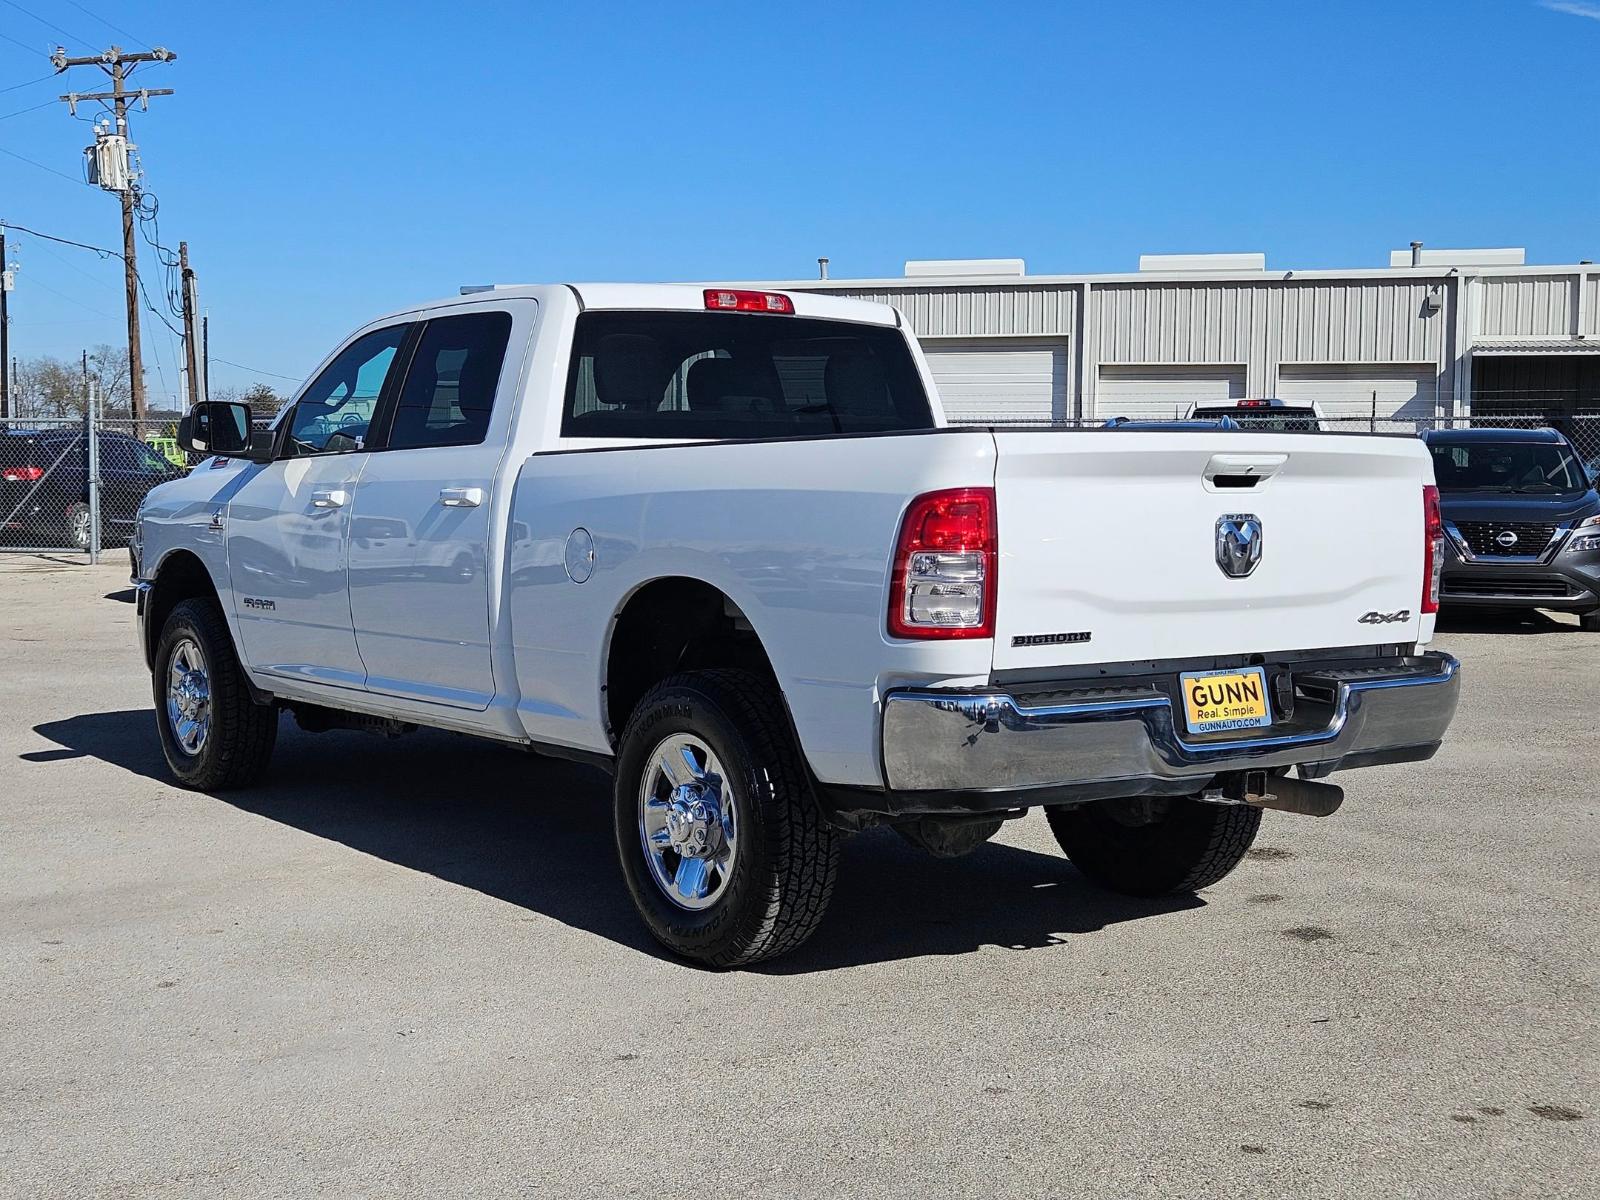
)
(5, 330)
(191, 359)
(113, 173)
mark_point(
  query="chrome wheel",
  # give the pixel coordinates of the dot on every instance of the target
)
(688, 822)
(188, 697)
(78, 528)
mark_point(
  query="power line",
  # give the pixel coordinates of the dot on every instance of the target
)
(47, 24)
(40, 165)
(144, 292)
(69, 264)
(103, 253)
(27, 83)
(20, 111)
(24, 45)
(108, 24)
(254, 370)
(50, 237)
(34, 281)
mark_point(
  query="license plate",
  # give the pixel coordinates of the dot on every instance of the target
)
(1216, 700)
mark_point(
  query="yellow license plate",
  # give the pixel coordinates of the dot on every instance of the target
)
(1217, 700)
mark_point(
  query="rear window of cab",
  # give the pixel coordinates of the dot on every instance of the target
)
(685, 376)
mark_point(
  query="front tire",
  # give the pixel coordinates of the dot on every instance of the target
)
(213, 734)
(722, 844)
(78, 526)
(1589, 622)
(1150, 846)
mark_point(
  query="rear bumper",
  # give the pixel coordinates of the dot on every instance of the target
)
(948, 751)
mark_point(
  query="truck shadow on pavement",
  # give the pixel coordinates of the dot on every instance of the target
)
(536, 832)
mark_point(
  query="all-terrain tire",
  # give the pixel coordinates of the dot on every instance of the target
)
(1186, 845)
(788, 858)
(242, 733)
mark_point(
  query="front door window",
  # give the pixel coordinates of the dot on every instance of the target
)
(335, 414)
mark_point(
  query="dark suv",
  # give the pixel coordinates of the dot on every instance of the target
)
(1521, 519)
(44, 485)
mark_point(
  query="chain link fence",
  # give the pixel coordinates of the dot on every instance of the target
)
(74, 484)
(1580, 424)
(65, 491)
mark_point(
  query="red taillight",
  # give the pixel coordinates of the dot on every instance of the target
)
(1255, 404)
(22, 474)
(946, 567)
(1432, 548)
(728, 300)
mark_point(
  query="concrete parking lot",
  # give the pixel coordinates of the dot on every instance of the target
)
(408, 967)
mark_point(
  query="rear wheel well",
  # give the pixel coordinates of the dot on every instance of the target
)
(181, 576)
(673, 625)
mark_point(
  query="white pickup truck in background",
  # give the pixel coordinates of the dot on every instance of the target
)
(722, 543)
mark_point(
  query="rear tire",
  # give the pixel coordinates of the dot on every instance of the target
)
(214, 735)
(767, 890)
(1154, 845)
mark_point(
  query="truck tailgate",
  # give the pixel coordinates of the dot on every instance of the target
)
(1108, 544)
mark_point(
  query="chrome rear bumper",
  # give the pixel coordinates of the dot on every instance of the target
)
(1126, 741)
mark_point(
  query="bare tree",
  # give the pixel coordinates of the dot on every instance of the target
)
(108, 365)
(47, 387)
(263, 401)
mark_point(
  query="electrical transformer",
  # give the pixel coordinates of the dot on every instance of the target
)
(106, 162)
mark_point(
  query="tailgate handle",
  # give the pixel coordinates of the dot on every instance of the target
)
(1242, 470)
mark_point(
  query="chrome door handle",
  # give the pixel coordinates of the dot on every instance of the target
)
(461, 497)
(333, 498)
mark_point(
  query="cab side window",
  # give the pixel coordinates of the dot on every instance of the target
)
(335, 413)
(449, 389)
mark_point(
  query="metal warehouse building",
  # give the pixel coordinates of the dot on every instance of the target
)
(1439, 334)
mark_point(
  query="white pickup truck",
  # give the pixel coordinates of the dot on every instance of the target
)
(723, 544)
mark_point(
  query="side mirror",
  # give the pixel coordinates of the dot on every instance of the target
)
(215, 427)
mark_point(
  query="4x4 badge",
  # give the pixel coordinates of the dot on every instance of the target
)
(1378, 618)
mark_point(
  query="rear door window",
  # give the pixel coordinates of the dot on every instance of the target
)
(449, 389)
(125, 454)
(738, 375)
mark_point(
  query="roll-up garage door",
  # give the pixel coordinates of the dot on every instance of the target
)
(1349, 389)
(997, 380)
(1162, 392)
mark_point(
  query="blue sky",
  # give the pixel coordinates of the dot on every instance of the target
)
(327, 162)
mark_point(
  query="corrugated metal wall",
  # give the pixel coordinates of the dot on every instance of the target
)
(1176, 323)
(981, 311)
(1263, 324)
(1257, 324)
(1526, 305)
(1357, 321)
